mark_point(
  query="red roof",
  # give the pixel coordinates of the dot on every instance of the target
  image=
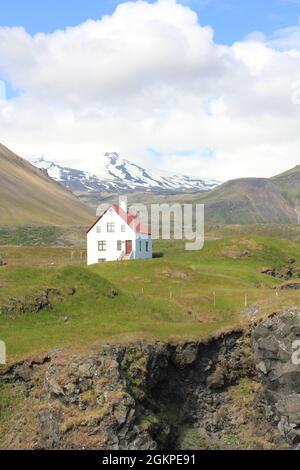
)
(132, 220)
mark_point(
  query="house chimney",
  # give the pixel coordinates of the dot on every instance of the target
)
(123, 203)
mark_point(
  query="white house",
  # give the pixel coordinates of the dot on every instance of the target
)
(118, 235)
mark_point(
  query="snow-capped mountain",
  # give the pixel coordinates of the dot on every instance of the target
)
(116, 174)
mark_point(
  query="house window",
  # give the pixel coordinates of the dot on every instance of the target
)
(111, 227)
(102, 246)
(98, 229)
(101, 260)
(140, 245)
(119, 245)
(147, 247)
(123, 228)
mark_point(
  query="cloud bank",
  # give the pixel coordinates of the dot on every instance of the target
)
(151, 83)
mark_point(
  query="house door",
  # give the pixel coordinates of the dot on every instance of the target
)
(128, 247)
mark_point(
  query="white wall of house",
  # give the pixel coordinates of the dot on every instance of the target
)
(102, 244)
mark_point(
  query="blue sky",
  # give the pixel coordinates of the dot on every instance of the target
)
(231, 19)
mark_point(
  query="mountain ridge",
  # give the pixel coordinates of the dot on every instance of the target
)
(117, 174)
(237, 201)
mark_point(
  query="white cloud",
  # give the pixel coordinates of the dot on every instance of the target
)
(2, 91)
(286, 38)
(150, 76)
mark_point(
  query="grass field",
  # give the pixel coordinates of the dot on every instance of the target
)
(182, 295)
(34, 235)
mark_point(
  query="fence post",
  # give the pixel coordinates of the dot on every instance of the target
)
(214, 295)
(2, 353)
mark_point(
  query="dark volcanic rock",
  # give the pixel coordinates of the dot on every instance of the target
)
(291, 287)
(144, 396)
(269, 272)
(2, 262)
(39, 302)
(276, 344)
(49, 434)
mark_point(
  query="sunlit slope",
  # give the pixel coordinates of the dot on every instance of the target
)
(28, 196)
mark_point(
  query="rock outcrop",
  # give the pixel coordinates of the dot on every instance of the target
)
(238, 390)
(277, 354)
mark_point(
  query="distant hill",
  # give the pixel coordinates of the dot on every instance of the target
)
(248, 201)
(29, 196)
(242, 201)
(289, 185)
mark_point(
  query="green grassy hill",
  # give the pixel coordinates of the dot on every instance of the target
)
(181, 296)
(28, 196)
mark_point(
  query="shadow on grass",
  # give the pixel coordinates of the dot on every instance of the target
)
(157, 255)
